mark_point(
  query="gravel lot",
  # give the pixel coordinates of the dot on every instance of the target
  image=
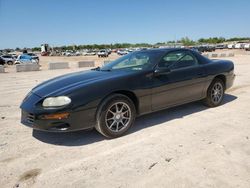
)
(186, 146)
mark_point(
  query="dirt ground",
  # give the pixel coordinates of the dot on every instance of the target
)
(186, 146)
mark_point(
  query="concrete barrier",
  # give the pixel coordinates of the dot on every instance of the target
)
(231, 55)
(26, 67)
(86, 64)
(223, 55)
(58, 65)
(1, 69)
(214, 55)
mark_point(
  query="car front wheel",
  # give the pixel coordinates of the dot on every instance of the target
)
(10, 62)
(115, 116)
(215, 93)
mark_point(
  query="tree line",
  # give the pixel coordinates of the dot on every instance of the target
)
(184, 41)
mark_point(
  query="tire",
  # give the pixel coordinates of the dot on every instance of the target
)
(113, 124)
(215, 93)
(10, 62)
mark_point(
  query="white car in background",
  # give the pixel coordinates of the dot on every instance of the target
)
(103, 53)
(9, 59)
(230, 46)
(247, 47)
(122, 52)
(239, 46)
(89, 53)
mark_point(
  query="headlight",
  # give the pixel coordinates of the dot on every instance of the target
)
(56, 101)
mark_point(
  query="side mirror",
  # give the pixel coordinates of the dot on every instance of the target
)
(161, 71)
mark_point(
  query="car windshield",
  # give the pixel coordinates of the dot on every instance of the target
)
(135, 61)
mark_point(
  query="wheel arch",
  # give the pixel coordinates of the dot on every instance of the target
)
(131, 95)
(221, 77)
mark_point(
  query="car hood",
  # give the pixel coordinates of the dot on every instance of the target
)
(64, 84)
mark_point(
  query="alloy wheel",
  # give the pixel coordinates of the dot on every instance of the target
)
(118, 116)
(217, 92)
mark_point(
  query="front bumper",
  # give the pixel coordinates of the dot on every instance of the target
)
(76, 121)
(230, 80)
(31, 116)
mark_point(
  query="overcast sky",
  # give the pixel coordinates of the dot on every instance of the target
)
(29, 23)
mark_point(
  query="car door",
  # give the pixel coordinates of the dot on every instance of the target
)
(183, 81)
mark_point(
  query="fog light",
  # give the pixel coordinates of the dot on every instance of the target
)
(64, 115)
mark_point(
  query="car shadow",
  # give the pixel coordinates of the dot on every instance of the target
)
(91, 136)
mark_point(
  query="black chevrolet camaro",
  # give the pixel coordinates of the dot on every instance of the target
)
(109, 98)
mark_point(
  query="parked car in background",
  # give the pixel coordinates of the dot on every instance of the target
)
(14, 56)
(77, 53)
(220, 46)
(2, 62)
(109, 51)
(69, 53)
(122, 52)
(33, 56)
(239, 46)
(111, 97)
(9, 59)
(206, 48)
(103, 53)
(247, 47)
(89, 53)
(230, 46)
(24, 58)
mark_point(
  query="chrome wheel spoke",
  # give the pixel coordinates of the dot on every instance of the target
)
(112, 124)
(217, 92)
(118, 116)
(110, 119)
(125, 112)
(122, 123)
(117, 126)
(116, 108)
(111, 112)
(122, 108)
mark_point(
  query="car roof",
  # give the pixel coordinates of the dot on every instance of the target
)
(165, 49)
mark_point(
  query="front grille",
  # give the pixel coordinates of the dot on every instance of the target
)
(30, 118)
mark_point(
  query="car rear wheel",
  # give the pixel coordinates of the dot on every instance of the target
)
(215, 93)
(115, 116)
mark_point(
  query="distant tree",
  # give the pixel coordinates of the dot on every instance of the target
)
(238, 39)
(214, 40)
(187, 42)
(160, 43)
(17, 49)
(35, 49)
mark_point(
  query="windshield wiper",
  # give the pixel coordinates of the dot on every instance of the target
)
(96, 68)
(99, 69)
